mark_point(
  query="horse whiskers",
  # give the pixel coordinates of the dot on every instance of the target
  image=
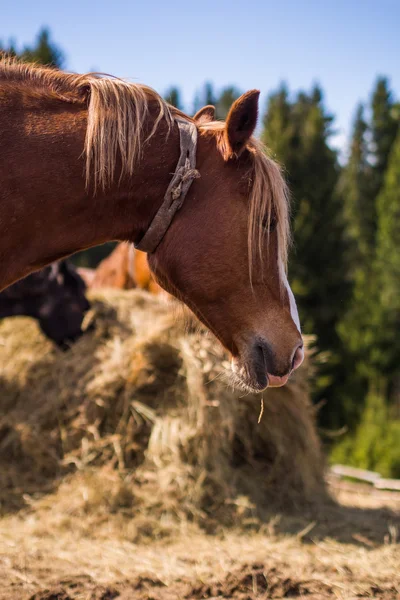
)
(217, 376)
(238, 383)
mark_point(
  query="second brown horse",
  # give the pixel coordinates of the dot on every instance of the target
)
(125, 268)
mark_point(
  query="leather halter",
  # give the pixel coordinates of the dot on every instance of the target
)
(176, 192)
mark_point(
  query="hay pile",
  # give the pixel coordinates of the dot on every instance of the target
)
(136, 424)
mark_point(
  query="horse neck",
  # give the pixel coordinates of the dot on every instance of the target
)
(47, 213)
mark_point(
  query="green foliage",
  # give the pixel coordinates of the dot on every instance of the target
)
(363, 176)
(388, 243)
(355, 188)
(9, 48)
(370, 328)
(226, 98)
(44, 51)
(387, 267)
(279, 127)
(204, 96)
(375, 444)
(384, 129)
(92, 256)
(173, 97)
(222, 101)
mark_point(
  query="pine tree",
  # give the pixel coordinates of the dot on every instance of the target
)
(10, 49)
(384, 129)
(44, 51)
(226, 98)
(367, 329)
(355, 189)
(278, 133)
(372, 326)
(173, 97)
(205, 96)
(370, 329)
(222, 101)
(388, 265)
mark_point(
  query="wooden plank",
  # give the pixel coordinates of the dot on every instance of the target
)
(387, 484)
(354, 473)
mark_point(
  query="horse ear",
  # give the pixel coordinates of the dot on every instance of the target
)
(241, 121)
(205, 114)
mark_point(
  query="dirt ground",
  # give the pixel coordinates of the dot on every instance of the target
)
(349, 550)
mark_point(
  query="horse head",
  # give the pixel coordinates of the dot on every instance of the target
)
(224, 254)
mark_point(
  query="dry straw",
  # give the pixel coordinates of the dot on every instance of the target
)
(137, 420)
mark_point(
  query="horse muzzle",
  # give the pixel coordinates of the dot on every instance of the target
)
(259, 367)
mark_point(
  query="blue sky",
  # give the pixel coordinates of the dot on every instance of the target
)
(343, 45)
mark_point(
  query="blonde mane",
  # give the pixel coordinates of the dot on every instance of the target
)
(116, 116)
(117, 112)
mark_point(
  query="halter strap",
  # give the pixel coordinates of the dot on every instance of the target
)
(176, 192)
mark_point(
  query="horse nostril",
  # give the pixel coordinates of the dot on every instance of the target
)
(298, 357)
(265, 355)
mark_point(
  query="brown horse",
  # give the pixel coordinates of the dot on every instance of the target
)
(86, 159)
(125, 268)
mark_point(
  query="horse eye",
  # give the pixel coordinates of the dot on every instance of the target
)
(270, 223)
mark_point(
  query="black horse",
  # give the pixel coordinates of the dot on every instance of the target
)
(55, 296)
